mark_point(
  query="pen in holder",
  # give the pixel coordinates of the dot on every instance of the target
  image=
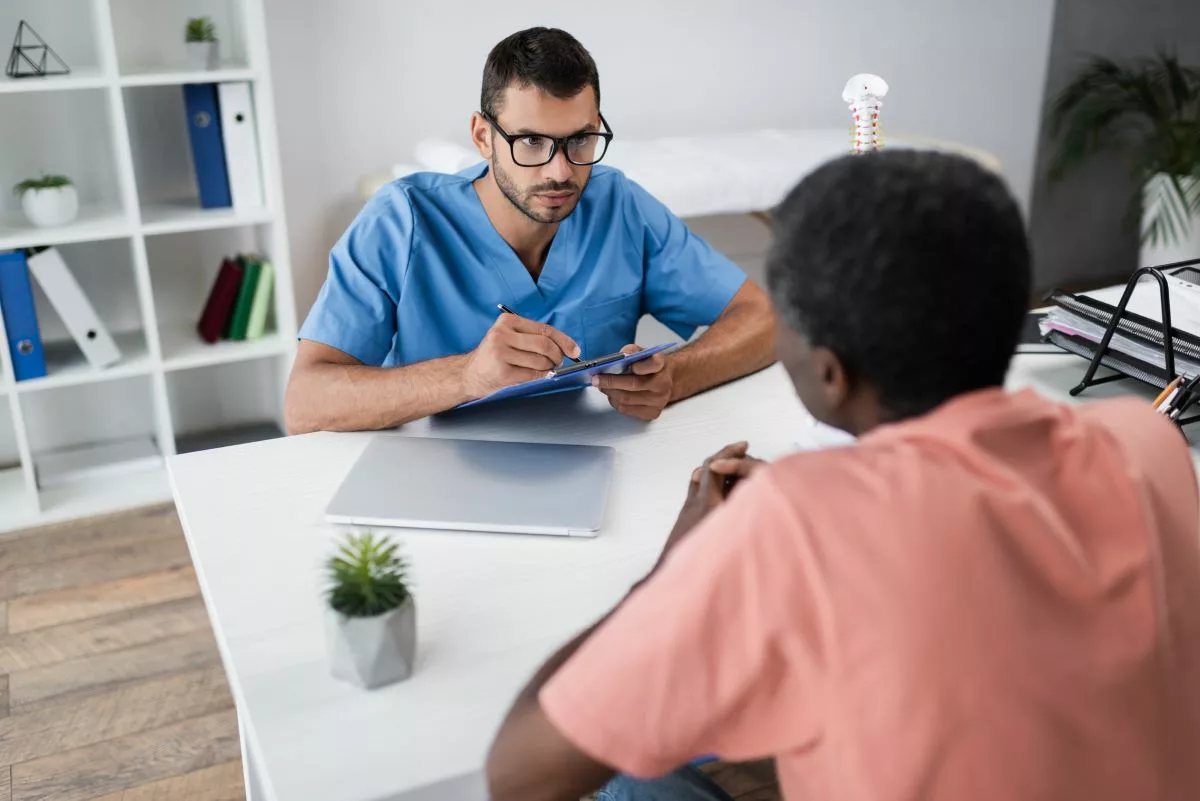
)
(1177, 398)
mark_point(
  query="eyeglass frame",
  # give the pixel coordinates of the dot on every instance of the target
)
(556, 142)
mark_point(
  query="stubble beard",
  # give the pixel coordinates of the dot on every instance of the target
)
(523, 201)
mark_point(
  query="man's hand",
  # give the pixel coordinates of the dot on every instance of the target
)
(644, 391)
(710, 485)
(515, 350)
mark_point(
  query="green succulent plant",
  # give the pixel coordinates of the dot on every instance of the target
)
(367, 576)
(1149, 110)
(45, 182)
(201, 29)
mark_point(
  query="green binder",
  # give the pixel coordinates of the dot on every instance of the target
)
(245, 299)
(262, 302)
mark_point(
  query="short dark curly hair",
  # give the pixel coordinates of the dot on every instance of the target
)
(912, 266)
(548, 58)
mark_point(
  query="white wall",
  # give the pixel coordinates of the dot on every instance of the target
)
(359, 82)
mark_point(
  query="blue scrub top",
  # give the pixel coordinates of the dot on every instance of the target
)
(419, 272)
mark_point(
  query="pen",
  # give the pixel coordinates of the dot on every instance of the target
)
(1187, 394)
(507, 310)
(1164, 395)
(1165, 406)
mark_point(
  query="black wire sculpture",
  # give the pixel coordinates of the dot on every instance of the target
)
(30, 60)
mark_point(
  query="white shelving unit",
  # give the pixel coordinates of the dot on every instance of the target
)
(144, 251)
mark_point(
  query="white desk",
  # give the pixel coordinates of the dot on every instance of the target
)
(490, 607)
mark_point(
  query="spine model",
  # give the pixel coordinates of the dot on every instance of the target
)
(864, 93)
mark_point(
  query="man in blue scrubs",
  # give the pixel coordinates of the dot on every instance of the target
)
(407, 322)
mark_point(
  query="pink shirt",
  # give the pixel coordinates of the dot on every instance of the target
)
(1000, 600)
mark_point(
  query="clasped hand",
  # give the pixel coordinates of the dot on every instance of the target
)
(712, 482)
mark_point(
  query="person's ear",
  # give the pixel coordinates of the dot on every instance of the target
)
(481, 135)
(832, 378)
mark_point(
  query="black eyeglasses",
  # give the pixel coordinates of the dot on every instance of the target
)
(534, 149)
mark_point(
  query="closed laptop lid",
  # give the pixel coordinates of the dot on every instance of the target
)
(476, 485)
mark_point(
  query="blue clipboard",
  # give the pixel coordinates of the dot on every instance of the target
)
(570, 377)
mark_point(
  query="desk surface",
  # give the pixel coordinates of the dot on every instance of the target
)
(490, 607)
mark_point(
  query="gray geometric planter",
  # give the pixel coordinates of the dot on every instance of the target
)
(373, 651)
(202, 56)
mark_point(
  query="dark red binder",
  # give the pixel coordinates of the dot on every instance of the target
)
(220, 302)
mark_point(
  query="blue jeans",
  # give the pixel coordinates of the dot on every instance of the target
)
(686, 784)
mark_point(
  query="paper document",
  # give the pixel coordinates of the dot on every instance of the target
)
(1074, 325)
(1146, 300)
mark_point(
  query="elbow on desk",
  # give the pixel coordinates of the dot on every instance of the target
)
(294, 421)
(298, 414)
(292, 425)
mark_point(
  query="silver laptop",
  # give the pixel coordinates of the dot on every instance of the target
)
(476, 485)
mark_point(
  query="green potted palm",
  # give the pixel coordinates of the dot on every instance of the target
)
(1149, 111)
(371, 622)
(200, 34)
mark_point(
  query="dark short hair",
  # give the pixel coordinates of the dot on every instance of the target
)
(548, 58)
(913, 267)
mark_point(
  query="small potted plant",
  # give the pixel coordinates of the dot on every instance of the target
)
(371, 621)
(1148, 110)
(48, 201)
(201, 37)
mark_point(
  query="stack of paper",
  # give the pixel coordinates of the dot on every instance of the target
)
(1078, 322)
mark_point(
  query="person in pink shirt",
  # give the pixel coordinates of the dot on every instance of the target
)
(988, 596)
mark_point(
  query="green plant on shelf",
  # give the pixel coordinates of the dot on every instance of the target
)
(45, 182)
(367, 576)
(201, 29)
(1148, 110)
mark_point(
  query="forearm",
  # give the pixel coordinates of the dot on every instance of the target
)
(741, 341)
(529, 763)
(327, 396)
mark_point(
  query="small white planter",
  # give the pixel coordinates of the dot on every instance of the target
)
(1182, 248)
(202, 56)
(50, 208)
(373, 651)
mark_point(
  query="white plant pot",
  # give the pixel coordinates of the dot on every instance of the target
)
(50, 208)
(373, 651)
(202, 55)
(1182, 247)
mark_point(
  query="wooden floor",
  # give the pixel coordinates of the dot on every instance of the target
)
(111, 688)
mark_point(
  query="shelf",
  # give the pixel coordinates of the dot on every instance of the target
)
(144, 252)
(158, 76)
(69, 27)
(68, 367)
(99, 495)
(149, 34)
(183, 348)
(12, 479)
(94, 223)
(87, 78)
(175, 218)
(227, 437)
(17, 508)
(96, 460)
